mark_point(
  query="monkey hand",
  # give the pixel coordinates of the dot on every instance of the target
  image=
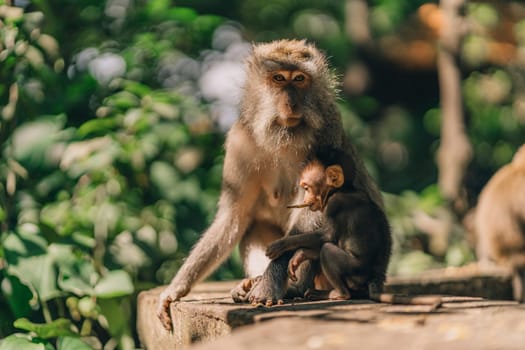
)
(297, 259)
(292, 267)
(276, 248)
(267, 293)
(170, 294)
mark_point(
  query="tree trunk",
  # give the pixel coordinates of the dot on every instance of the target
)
(455, 151)
(356, 24)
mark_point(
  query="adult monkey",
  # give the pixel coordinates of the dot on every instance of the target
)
(287, 112)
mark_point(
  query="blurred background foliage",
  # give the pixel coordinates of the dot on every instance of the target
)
(112, 119)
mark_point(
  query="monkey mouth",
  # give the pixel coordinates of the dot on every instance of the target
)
(291, 121)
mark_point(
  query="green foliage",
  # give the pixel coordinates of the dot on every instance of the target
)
(40, 334)
(92, 203)
(424, 233)
(58, 328)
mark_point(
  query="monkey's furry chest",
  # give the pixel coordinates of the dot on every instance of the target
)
(272, 202)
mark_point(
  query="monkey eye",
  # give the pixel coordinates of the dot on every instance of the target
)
(299, 77)
(279, 77)
(306, 188)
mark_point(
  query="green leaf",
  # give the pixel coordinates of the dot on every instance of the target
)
(137, 88)
(18, 295)
(59, 327)
(76, 274)
(414, 262)
(69, 343)
(166, 110)
(39, 274)
(32, 141)
(83, 240)
(116, 283)
(75, 284)
(182, 14)
(122, 100)
(165, 178)
(23, 245)
(97, 126)
(157, 7)
(28, 259)
(206, 23)
(117, 317)
(20, 342)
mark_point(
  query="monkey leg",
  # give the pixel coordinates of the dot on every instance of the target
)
(300, 256)
(252, 250)
(274, 284)
(306, 274)
(340, 268)
(253, 246)
(271, 288)
(240, 292)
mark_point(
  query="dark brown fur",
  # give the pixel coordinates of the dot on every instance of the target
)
(353, 246)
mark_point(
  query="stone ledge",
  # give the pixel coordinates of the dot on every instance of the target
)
(208, 313)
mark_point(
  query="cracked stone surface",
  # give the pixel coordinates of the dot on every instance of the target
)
(208, 319)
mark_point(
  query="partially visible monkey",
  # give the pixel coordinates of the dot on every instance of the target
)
(500, 221)
(287, 112)
(354, 244)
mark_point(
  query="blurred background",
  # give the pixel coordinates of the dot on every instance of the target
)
(113, 114)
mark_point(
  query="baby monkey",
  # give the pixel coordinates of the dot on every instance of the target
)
(352, 246)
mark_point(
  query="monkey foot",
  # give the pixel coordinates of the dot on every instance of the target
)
(266, 293)
(240, 292)
(268, 303)
(340, 297)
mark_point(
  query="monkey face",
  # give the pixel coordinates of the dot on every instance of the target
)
(287, 82)
(313, 198)
(290, 87)
(316, 189)
(318, 183)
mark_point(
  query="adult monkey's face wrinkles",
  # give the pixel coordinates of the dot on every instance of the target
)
(289, 98)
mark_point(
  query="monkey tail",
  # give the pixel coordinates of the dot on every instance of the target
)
(375, 291)
(390, 298)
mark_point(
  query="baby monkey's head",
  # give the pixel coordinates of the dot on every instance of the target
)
(319, 182)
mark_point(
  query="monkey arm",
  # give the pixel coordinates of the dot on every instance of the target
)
(213, 248)
(240, 190)
(311, 240)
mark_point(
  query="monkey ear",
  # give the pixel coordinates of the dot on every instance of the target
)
(334, 176)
